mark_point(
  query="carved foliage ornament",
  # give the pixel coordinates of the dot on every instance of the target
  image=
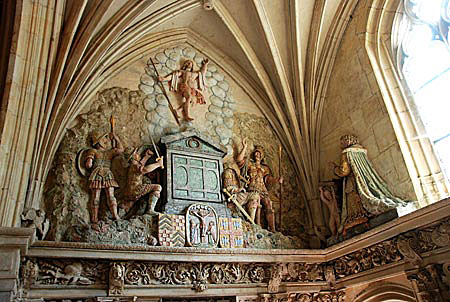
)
(367, 258)
(197, 274)
(408, 246)
(304, 297)
(431, 283)
(63, 272)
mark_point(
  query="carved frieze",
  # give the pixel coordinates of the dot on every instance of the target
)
(409, 246)
(431, 283)
(116, 279)
(374, 256)
(319, 297)
(64, 272)
(199, 275)
(304, 297)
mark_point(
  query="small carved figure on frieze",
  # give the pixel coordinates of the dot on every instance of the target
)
(136, 188)
(365, 194)
(116, 279)
(257, 177)
(189, 84)
(98, 160)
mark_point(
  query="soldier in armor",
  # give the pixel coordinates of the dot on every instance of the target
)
(101, 177)
(258, 176)
(232, 185)
(136, 188)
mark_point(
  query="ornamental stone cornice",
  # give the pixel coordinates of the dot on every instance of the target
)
(50, 268)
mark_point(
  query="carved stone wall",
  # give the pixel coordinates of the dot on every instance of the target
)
(354, 105)
(139, 107)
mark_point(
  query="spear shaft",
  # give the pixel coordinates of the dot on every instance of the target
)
(175, 115)
(281, 185)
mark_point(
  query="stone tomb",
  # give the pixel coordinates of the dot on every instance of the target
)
(194, 165)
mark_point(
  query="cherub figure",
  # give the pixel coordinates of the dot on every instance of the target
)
(101, 177)
(189, 84)
(135, 186)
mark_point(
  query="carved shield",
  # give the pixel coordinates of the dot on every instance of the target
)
(171, 230)
(231, 233)
(201, 226)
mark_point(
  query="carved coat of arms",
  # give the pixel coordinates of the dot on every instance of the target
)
(201, 226)
(171, 230)
(231, 233)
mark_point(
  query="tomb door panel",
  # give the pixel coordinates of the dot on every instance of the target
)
(195, 178)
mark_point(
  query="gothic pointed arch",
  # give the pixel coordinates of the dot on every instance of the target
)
(386, 292)
(427, 176)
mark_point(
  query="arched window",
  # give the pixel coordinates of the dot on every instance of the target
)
(421, 42)
(405, 44)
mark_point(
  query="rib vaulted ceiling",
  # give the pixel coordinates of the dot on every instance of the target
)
(283, 49)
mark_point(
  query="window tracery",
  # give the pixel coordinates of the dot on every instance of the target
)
(422, 51)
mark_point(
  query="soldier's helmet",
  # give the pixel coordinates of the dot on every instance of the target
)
(96, 136)
(259, 149)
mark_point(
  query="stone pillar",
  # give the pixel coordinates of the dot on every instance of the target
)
(14, 243)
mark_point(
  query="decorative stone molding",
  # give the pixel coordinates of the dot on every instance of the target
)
(408, 246)
(82, 273)
(116, 279)
(304, 297)
(374, 256)
(319, 297)
(276, 275)
(199, 275)
(60, 272)
(120, 277)
(431, 283)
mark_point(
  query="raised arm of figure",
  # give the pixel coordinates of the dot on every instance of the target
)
(241, 156)
(147, 155)
(204, 66)
(154, 166)
(119, 147)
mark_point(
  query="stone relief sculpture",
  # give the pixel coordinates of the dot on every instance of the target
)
(365, 194)
(201, 226)
(239, 196)
(189, 84)
(101, 176)
(110, 177)
(135, 187)
(32, 218)
(328, 197)
(257, 176)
